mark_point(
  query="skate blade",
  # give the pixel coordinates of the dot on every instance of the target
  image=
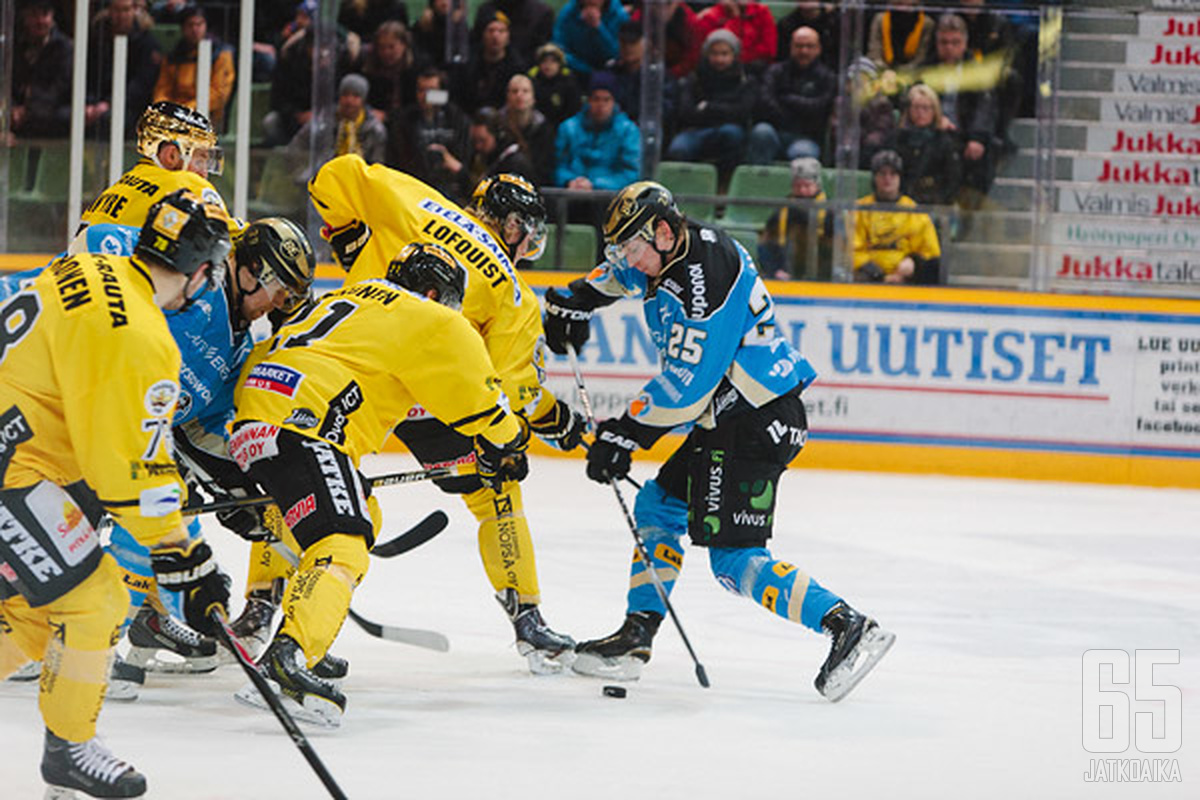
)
(122, 691)
(543, 663)
(315, 711)
(30, 671)
(164, 661)
(873, 646)
(254, 647)
(621, 668)
(63, 793)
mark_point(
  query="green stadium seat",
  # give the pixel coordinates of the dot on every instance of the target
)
(766, 181)
(861, 182)
(578, 248)
(695, 178)
(18, 167)
(167, 35)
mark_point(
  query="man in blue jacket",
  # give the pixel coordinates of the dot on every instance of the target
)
(730, 374)
(600, 147)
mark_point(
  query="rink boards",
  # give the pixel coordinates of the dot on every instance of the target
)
(951, 381)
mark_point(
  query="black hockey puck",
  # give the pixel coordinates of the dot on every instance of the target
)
(614, 691)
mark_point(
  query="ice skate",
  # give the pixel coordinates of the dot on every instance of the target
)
(161, 643)
(87, 767)
(619, 657)
(547, 651)
(858, 644)
(253, 627)
(29, 671)
(307, 697)
(125, 680)
(332, 669)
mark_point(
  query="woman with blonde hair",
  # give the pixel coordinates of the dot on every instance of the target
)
(391, 67)
(930, 149)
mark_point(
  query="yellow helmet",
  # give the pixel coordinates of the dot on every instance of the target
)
(165, 122)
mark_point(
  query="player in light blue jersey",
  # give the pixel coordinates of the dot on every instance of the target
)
(731, 375)
(272, 274)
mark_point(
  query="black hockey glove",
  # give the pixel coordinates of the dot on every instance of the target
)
(611, 453)
(496, 464)
(562, 427)
(347, 242)
(247, 522)
(191, 570)
(566, 322)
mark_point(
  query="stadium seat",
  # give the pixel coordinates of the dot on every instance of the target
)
(277, 193)
(687, 177)
(860, 182)
(167, 35)
(578, 248)
(18, 167)
(766, 181)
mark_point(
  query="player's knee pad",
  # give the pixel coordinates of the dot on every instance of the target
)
(780, 587)
(266, 566)
(654, 508)
(505, 542)
(343, 555)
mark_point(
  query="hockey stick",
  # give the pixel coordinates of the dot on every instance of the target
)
(415, 536)
(638, 543)
(225, 633)
(430, 640)
(391, 479)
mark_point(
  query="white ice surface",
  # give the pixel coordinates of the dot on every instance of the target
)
(994, 589)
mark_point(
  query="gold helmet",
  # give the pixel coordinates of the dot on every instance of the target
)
(165, 122)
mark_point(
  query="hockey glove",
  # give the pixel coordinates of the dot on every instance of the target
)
(561, 427)
(565, 322)
(495, 464)
(611, 453)
(347, 242)
(191, 570)
(247, 522)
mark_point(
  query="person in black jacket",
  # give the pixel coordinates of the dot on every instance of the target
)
(41, 77)
(714, 105)
(795, 104)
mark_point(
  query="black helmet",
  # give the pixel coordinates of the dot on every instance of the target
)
(636, 209)
(182, 232)
(887, 158)
(165, 122)
(421, 267)
(275, 248)
(508, 199)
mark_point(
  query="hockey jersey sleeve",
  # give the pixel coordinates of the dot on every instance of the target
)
(119, 394)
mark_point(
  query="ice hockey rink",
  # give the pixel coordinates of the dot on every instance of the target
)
(994, 588)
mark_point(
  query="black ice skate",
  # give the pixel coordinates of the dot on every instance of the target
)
(619, 656)
(307, 697)
(253, 627)
(547, 651)
(858, 644)
(87, 767)
(332, 669)
(125, 680)
(161, 643)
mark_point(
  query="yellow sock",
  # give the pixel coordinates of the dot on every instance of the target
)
(505, 544)
(318, 595)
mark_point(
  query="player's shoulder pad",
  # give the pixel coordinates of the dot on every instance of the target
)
(701, 280)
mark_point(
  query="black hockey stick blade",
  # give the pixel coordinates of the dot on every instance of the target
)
(430, 640)
(226, 635)
(414, 537)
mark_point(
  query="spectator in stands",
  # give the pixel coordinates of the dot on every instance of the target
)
(177, 75)
(600, 147)
(900, 38)
(791, 243)
(929, 148)
(682, 38)
(356, 130)
(528, 128)
(715, 104)
(796, 100)
(968, 101)
(144, 56)
(822, 18)
(555, 90)
(898, 246)
(430, 32)
(363, 17)
(41, 79)
(391, 67)
(627, 68)
(423, 137)
(291, 83)
(491, 151)
(586, 30)
(484, 81)
(531, 24)
(753, 25)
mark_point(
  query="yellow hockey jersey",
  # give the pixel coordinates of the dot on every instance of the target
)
(348, 371)
(887, 237)
(127, 201)
(398, 209)
(89, 377)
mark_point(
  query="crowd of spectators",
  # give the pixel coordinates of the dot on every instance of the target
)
(554, 92)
